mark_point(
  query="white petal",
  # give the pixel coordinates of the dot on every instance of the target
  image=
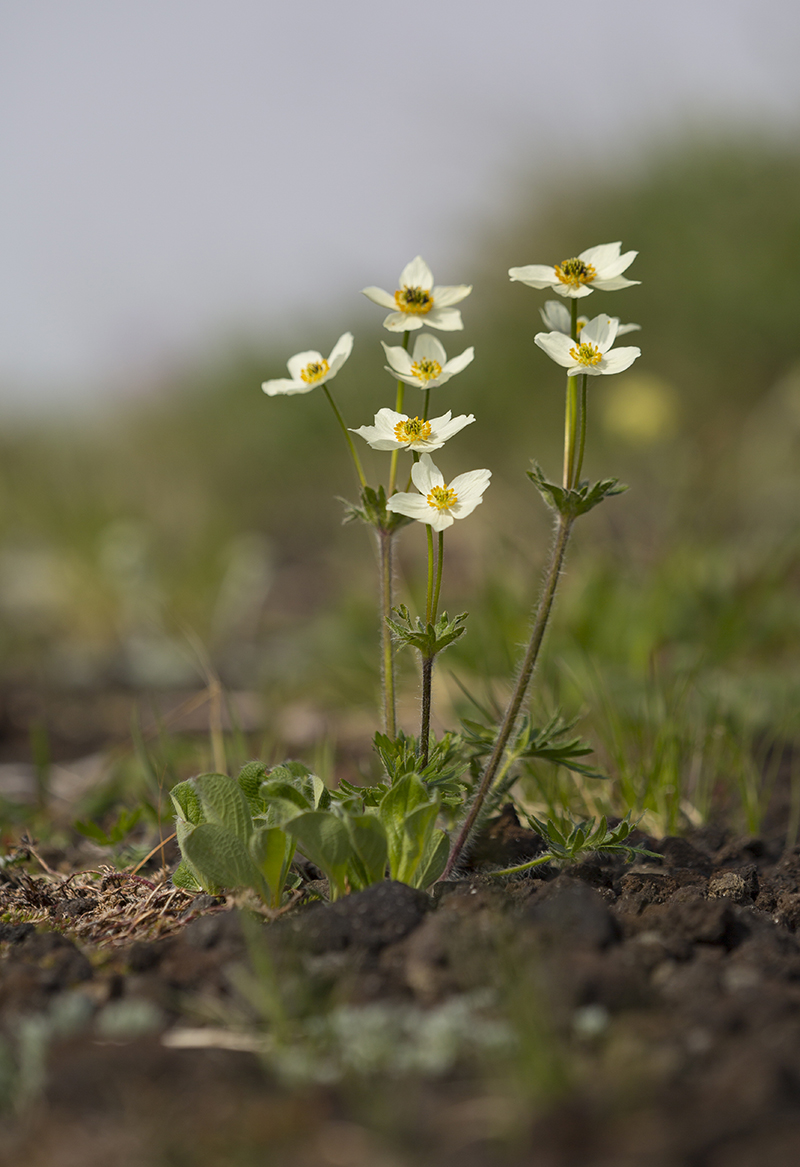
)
(425, 475)
(556, 345)
(441, 520)
(284, 385)
(456, 364)
(535, 275)
(429, 348)
(412, 505)
(298, 362)
(614, 285)
(556, 317)
(573, 293)
(611, 270)
(402, 322)
(378, 296)
(416, 274)
(626, 328)
(407, 379)
(470, 485)
(446, 319)
(445, 297)
(445, 429)
(620, 359)
(600, 332)
(601, 255)
(466, 506)
(340, 352)
(398, 358)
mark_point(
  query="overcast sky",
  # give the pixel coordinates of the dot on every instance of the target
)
(175, 172)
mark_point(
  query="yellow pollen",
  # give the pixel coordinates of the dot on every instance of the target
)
(314, 372)
(426, 370)
(414, 301)
(574, 272)
(413, 429)
(586, 354)
(441, 498)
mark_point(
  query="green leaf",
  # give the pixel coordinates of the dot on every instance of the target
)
(287, 790)
(368, 839)
(250, 777)
(418, 829)
(182, 877)
(224, 803)
(92, 831)
(272, 850)
(218, 856)
(323, 838)
(187, 803)
(434, 859)
(578, 500)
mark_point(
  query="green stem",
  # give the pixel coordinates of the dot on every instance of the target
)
(425, 727)
(512, 713)
(426, 405)
(385, 539)
(537, 862)
(571, 412)
(429, 601)
(582, 439)
(348, 439)
(439, 561)
(398, 408)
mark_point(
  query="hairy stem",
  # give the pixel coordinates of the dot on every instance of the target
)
(571, 412)
(398, 408)
(512, 712)
(385, 547)
(431, 610)
(425, 727)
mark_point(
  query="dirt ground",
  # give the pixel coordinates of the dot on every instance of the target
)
(612, 1016)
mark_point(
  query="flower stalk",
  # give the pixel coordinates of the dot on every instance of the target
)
(431, 612)
(512, 713)
(386, 566)
(398, 408)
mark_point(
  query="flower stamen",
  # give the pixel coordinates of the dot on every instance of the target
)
(412, 429)
(414, 301)
(574, 272)
(586, 354)
(426, 369)
(314, 372)
(441, 498)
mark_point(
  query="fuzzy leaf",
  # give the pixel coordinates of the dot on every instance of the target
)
(225, 804)
(218, 856)
(271, 850)
(368, 839)
(187, 803)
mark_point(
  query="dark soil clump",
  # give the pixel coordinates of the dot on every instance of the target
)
(609, 1016)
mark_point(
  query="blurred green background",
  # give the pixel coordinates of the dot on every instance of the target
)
(205, 513)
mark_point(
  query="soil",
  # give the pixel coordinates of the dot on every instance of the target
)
(615, 1015)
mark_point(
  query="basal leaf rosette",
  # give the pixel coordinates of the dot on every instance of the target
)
(438, 504)
(427, 366)
(592, 354)
(418, 302)
(556, 318)
(596, 269)
(396, 431)
(309, 369)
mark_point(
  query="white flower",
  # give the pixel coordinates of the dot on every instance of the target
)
(438, 504)
(311, 369)
(418, 302)
(428, 365)
(556, 317)
(590, 354)
(396, 431)
(601, 267)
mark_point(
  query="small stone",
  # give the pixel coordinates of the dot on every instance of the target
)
(729, 885)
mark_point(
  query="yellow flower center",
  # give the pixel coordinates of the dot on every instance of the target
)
(426, 370)
(586, 354)
(314, 372)
(574, 272)
(441, 498)
(415, 301)
(412, 429)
